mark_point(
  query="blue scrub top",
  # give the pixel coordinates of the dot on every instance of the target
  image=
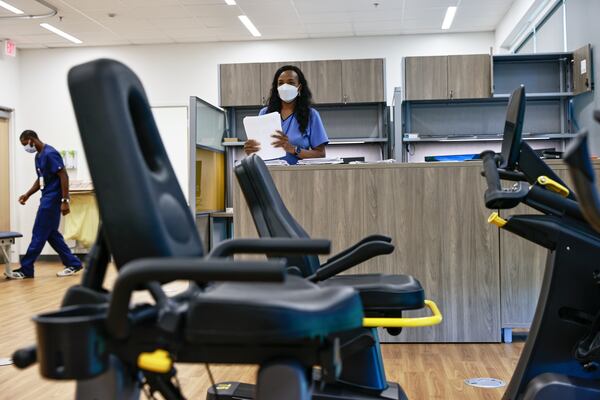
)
(314, 136)
(47, 164)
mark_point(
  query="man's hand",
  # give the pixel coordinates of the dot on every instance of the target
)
(65, 208)
(281, 140)
(23, 199)
(251, 146)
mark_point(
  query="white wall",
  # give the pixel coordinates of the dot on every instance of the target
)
(513, 18)
(171, 73)
(9, 80)
(9, 98)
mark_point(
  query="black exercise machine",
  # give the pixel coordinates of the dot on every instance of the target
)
(384, 296)
(549, 368)
(283, 323)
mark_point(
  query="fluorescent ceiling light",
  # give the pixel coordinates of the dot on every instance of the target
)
(249, 25)
(61, 33)
(10, 8)
(230, 2)
(449, 18)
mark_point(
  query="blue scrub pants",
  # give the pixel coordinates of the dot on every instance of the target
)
(45, 229)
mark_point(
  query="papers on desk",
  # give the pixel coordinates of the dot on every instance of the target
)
(277, 162)
(320, 161)
(260, 128)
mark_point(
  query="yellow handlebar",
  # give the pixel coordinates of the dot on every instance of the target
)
(418, 322)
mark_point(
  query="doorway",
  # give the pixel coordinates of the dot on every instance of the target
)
(4, 177)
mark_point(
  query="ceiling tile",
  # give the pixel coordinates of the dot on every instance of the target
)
(166, 21)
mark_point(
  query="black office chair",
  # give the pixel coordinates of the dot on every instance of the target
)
(148, 229)
(382, 294)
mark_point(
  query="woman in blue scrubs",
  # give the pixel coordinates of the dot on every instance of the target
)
(53, 181)
(303, 134)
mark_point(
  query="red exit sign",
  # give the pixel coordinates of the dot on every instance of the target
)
(10, 49)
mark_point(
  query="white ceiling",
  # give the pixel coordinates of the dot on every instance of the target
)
(184, 21)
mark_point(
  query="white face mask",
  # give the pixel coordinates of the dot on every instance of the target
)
(287, 92)
(29, 148)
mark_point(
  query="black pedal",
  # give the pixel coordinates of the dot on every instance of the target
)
(230, 391)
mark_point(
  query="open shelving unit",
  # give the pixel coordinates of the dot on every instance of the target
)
(548, 79)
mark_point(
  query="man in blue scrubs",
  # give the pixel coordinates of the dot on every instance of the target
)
(53, 181)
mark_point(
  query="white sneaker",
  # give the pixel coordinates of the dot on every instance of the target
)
(16, 274)
(68, 271)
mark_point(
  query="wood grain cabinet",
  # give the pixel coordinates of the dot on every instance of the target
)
(324, 79)
(426, 78)
(240, 84)
(362, 81)
(469, 76)
(448, 77)
(330, 81)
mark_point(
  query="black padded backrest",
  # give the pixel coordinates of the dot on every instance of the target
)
(513, 129)
(271, 216)
(142, 208)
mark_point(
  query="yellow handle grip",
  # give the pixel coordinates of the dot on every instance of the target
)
(158, 361)
(552, 185)
(419, 322)
(496, 219)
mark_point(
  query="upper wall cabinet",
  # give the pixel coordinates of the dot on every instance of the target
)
(330, 81)
(426, 78)
(448, 77)
(324, 79)
(469, 76)
(362, 81)
(240, 84)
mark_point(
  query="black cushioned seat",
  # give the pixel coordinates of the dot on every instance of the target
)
(298, 309)
(381, 292)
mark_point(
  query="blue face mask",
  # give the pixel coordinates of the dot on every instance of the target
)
(30, 148)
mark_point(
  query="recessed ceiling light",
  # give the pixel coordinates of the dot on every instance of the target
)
(10, 7)
(249, 25)
(449, 18)
(230, 2)
(54, 29)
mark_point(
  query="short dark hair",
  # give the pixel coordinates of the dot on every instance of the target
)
(28, 134)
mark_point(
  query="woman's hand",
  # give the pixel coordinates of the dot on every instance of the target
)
(281, 140)
(251, 146)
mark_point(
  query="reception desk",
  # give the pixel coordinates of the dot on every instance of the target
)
(483, 280)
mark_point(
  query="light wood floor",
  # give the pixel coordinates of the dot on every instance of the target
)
(426, 371)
